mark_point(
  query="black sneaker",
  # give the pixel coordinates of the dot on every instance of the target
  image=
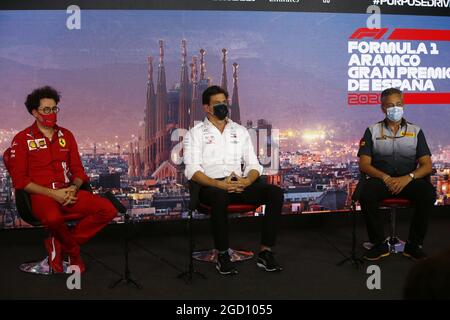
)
(377, 252)
(224, 264)
(414, 252)
(267, 261)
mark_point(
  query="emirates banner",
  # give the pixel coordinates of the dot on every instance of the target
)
(303, 76)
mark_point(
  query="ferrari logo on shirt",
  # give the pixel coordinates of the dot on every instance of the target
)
(408, 134)
(32, 145)
(62, 142)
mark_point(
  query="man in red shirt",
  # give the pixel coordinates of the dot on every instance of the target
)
(44, 161)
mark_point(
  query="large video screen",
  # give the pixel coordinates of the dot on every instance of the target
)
(305, 84)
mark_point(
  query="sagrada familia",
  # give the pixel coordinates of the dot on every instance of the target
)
(168, 110)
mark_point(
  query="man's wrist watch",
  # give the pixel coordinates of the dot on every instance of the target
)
(412, 175)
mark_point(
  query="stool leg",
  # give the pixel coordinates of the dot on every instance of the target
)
(395, 244)
(188, 275)
(392, 234)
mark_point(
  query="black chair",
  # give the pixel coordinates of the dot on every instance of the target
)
(23, 204)
(396, 245)
(209, 255)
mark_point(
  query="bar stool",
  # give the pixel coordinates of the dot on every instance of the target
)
(396, 245)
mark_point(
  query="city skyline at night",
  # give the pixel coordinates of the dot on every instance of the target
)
(101, 70)
(129, 79)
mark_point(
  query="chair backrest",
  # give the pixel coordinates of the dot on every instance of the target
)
(194, 194)
(86, 187)
(115, 202)
(23, 202)
(362, 180)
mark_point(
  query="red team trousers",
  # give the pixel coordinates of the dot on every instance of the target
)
(95, 212)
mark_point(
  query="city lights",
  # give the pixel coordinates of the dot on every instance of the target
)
(313, 135)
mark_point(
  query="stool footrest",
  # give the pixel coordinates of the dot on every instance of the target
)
(211, 255)
(396, 245)
(40, 267)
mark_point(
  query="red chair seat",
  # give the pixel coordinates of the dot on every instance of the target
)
(232, 208)
(395, 203)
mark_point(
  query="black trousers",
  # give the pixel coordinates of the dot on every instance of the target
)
(257, 193)
(420, 191)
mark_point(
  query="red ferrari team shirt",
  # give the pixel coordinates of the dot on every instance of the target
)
(35, 158)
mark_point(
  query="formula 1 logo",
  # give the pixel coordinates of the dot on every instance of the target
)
(373, 33)
(402, 34)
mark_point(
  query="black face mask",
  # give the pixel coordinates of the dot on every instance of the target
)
(221, 111)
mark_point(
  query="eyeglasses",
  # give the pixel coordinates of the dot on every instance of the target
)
(48, 110)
